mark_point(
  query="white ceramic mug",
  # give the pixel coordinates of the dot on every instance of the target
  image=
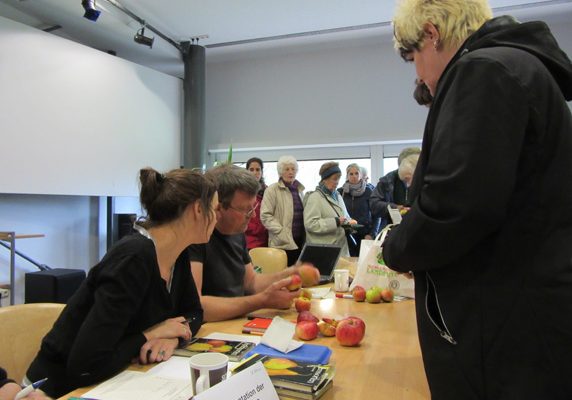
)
(207, 369)
(341, 280)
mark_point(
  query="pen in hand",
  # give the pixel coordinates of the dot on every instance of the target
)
(29, 389)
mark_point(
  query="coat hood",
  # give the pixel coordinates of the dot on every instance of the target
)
(533, 37)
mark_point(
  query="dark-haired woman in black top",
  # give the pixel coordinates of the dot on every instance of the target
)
(140, 299)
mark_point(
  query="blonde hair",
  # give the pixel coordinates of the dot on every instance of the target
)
(408, 165)
(455, 20)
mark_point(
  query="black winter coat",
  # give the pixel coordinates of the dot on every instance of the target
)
(489, 234)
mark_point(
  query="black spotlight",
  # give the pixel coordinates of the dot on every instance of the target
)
(90, 12)
(142, 39)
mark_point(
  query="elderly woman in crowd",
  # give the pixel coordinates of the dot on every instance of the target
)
(256, 233)
(282, 210)
(355, 193)
(325, 214)
(492, 264)
(393, 188)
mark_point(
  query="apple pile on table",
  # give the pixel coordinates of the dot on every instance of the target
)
(348, 331)
(373, 295)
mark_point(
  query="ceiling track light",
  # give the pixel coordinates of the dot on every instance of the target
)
(91, 12)
(142, 39)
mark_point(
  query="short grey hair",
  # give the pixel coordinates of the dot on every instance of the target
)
(407, 152)
(284, 161)
(230, 179)
(408, 165)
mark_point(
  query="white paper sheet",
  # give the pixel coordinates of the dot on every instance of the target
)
(141, 386)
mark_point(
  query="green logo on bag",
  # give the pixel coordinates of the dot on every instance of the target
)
(380, 258)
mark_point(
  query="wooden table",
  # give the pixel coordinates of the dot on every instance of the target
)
(386, 365)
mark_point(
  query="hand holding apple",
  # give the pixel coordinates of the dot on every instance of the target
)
(295, 284)
(310, 275)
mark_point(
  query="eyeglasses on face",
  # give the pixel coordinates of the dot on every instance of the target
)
(247, 214)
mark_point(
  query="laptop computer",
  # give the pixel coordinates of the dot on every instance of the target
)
(323, 256)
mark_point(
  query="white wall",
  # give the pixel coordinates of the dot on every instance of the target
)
(358, 91)
(346, 94)
(70, 224)
(74, 120)
(79, 121)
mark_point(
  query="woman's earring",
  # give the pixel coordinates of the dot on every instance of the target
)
(435, 44)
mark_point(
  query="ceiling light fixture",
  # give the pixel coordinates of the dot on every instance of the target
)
(91, 12)
(142, 39)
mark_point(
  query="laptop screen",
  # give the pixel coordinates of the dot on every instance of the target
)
(323, 256)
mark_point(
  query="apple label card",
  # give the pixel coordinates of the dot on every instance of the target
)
(394, 214)
(252, 383)
(279, 336)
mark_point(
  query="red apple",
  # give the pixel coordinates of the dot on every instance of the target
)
(330, 321)
(326, 329)
(302, 304)
(359, 293)
(373, 295)
(306, 316)
(387, 295)
(358, 321)
(350, 331)
(307, 330)
(295, 283)
(306, 293)
(310, 275)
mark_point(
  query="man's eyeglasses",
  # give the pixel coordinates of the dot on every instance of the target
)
(247, 214)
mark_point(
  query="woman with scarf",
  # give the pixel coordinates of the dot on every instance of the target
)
(325, 214)
(355, 193)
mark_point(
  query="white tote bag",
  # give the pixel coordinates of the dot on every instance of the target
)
(372, 271)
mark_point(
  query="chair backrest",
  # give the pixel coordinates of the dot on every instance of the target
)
(269, 259)
(22, 328)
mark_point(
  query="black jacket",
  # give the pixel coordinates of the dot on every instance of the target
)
(101, 328)
(489, 234)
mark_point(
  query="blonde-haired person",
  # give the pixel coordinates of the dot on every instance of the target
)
(282, 212)
(492, 264)
(140, 299)
(325, 213)
(393, 188)
(356, 194)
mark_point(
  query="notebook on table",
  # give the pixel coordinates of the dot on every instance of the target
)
(322, 256)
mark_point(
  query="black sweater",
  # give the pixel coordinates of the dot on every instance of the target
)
(101, 329)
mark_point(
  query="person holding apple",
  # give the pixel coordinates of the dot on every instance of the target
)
(140, 299)
(222, 269)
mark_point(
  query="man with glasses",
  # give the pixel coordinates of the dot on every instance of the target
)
(222, 269)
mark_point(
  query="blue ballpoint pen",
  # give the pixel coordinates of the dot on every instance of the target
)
(29, 389)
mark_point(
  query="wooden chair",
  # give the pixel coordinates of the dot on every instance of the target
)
(269, 259)
(22, 328)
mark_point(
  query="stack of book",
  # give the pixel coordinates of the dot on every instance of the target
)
(235, 350)
(295, 380)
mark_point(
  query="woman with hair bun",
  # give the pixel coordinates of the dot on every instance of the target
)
(140, 299)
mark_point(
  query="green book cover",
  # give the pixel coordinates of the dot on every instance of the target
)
(235, 350)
